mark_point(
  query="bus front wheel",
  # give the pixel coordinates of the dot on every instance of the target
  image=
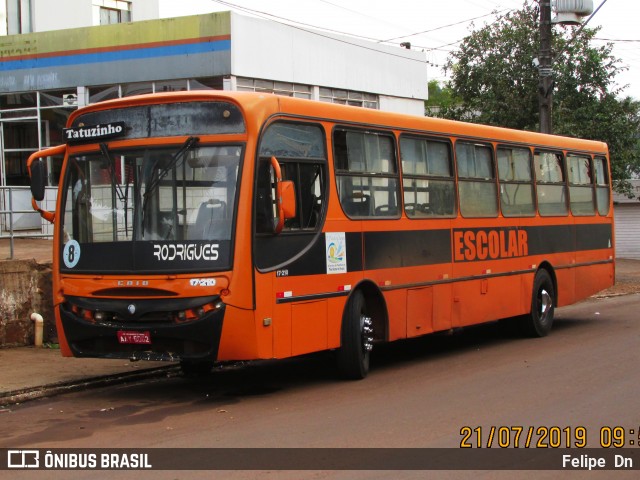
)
(540, 319)
(356, 339)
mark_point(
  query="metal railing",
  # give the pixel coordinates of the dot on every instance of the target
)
(7, 218)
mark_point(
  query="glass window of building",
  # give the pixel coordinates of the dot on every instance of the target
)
(112, 11)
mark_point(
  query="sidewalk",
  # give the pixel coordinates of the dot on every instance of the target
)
(39, 249)
(27, 373)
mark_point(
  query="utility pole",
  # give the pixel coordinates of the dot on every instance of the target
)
(545, 68)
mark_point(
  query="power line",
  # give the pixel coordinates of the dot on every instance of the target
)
(283, 20)
(615, 40)
(445, 26)
(292, 24)
(342, 7)
(289, 22)
(299, 25)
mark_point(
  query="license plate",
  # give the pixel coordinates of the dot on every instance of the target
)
(134, 337)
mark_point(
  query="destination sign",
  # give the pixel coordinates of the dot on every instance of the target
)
(90, 133)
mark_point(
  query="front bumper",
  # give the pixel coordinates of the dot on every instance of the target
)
(195, 339)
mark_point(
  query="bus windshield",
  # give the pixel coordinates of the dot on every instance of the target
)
(175, 203)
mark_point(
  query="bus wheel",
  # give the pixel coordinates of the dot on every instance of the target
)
(356, 339)
(195, 368)
(539, 321)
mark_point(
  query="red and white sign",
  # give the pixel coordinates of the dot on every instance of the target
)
(134, 337)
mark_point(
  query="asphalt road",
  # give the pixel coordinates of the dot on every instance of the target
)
(420, 393)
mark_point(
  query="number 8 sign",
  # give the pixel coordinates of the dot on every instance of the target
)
(71, 253)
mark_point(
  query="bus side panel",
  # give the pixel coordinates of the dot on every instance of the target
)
(240, 331)
(507, 293)
(526, 289)
(335, 310)
(593, 279)
(419, 311)
(309, 327)
(281, 325)
(300, 328)
(594, 257)
(566, 279)
(442, 295)
(396, 301)
(487, 299)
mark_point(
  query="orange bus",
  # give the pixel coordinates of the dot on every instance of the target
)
(210, 226)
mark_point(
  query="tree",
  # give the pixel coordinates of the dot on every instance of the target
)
(495, 82)
(439, 97)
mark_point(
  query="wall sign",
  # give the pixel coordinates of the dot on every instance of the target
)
(336, 252)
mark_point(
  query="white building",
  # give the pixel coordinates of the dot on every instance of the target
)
(59, 55)
(627, 221)
(28, 16)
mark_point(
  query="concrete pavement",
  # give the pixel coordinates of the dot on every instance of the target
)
(39, 249)
(27, 373)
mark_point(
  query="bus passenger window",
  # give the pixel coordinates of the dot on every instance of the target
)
(428, 183)
(580, 185)
(516, 184)
(476, 180)
(602, 185)
(550, 183)
(366, 173)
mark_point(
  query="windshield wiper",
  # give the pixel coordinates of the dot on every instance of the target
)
(173, 163)
(179, 155)
(123, 197)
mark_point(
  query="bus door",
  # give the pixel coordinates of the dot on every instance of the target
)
(289, 246)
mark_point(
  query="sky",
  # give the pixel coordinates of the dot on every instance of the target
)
(433, 26)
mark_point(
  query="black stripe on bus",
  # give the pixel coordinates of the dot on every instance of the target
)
(483, 244)
(313, 261)
(395, 249)
(568, 238)
(406, 248)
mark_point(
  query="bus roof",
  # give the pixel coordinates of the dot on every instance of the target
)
(434, 125)
(272, 104)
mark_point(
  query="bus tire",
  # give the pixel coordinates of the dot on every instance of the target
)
(196, 368)
(540, 319)
(356, 339)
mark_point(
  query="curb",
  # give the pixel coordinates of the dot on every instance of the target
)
(33, 393)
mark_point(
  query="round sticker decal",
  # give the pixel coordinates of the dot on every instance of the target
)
(71, 253)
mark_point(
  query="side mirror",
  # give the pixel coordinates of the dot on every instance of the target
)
(285, 198)
(38, 173)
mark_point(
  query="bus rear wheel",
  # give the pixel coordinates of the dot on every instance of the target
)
(540, 319)
(356, 339)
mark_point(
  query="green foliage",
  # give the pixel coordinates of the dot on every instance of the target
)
(439, 96)
(493, 81)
